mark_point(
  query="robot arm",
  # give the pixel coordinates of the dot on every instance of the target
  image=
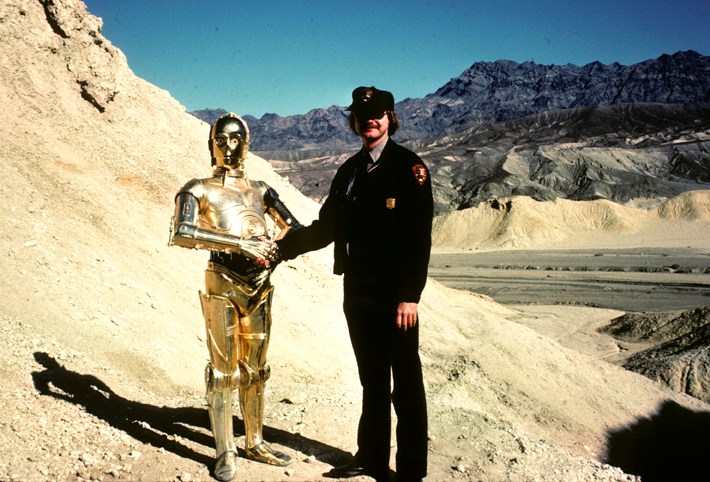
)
(280, 213)
(186, 233)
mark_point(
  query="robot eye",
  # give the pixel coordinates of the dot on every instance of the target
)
(220, 141)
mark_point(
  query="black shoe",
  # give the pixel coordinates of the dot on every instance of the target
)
(354, 469)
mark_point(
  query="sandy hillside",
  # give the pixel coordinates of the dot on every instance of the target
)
(102, 341)
(522, 222)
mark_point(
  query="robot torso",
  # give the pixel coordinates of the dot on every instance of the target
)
(233, 206)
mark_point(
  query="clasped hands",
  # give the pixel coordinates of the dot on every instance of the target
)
(261, 250)
(265, 254)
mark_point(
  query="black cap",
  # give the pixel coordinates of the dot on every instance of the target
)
(371, 103)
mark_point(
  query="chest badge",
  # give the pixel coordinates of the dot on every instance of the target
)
(419, 173)
(390, 202)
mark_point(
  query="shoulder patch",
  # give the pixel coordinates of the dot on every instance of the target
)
(420, 173)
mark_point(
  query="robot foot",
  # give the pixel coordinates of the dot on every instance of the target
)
(263, 453)
(226, 467)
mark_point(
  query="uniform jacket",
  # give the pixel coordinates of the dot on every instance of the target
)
(379, 219)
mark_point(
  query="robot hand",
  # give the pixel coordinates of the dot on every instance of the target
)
(267, 258)
(257, 274)
(263, 251)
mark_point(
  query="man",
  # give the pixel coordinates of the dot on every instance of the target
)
(227, 215)
(379, 215)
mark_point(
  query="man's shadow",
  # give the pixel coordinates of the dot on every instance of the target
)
(160, 427)
(671, 445)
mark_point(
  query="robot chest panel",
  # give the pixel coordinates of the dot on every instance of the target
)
(237, 213)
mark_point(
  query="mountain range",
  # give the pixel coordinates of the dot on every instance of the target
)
(503, 128)
(491, 92)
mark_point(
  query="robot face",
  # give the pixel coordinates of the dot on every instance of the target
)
(229, 141)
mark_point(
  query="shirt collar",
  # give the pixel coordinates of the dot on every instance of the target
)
(377, 151)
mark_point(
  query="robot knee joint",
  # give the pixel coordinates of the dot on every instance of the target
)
(249, 376)
(216, 381)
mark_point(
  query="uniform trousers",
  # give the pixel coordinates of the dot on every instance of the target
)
(390, 372)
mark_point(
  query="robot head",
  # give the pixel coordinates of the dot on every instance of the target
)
(229, 142)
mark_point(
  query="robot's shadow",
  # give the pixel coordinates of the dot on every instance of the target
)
(161, 427)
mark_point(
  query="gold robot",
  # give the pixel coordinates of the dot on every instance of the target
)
(234, 218)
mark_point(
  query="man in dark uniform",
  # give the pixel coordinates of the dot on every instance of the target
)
(379, 214)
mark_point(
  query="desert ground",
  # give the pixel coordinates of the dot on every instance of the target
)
(102, 340)
(526, 390)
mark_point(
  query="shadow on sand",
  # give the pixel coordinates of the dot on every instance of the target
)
(158, 426)
(671, 445)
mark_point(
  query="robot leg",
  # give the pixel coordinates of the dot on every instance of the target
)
(221, 377)
(254, 333)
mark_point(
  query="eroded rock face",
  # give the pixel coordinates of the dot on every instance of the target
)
(681, 357)
(93, 61)
(658, 327)
(619, 153)
(683, 364)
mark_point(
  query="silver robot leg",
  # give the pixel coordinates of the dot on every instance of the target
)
(221, 378)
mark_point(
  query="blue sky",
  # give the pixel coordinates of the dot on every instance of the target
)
(288, 57)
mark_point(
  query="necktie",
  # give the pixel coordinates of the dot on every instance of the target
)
(370, 161)
(365, 163)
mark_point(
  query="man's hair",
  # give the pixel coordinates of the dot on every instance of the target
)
(394, 122)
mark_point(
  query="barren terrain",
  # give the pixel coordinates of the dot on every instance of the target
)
(102, 340)
(641, 279)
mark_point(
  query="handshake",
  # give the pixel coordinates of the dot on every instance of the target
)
(261, 250)
(265, 256)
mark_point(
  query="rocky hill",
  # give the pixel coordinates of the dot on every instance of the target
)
(102, 343)
(521, 222)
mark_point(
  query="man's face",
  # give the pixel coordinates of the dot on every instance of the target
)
(372, 130)
(226, 143)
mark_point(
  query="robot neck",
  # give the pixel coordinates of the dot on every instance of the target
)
(234, 172)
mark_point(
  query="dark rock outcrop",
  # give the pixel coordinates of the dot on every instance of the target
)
(680, 358)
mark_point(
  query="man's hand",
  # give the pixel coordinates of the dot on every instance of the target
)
(406, 315)
(264, 257)
(263, 251)
(268, 255)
